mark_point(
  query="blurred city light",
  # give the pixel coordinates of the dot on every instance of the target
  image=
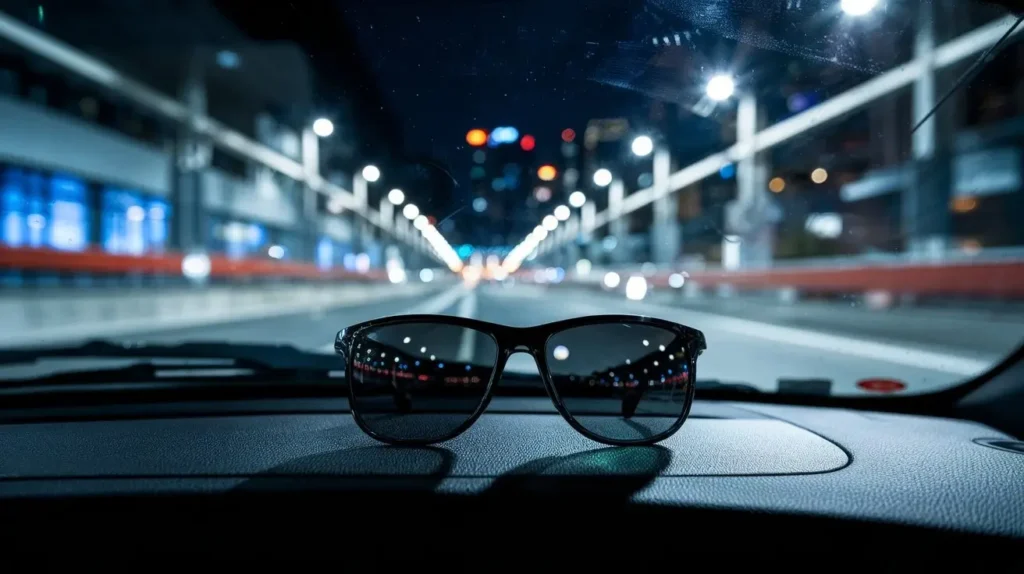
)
(442, 248)
(636, 288)
(611, 280)
(476, 137)
(420, 222)
(676, 280)
(323, 127)
(275, 252)
(542, 194)
(396, 196)
(228, 59)
(550, 222)
(858, 7)
(562, 213)
(583, 267)
(642, 146)
(824, 225)
(528, 143)
(776, 185)
(426, 275)
(504, 135)
(196, 267)
(396, 274)
(577, 199)
(721, 87)
(471, 274)
(410, 211)
(819, 175)
(602, 177)
(480, 205)
(362, 262)
(568, 134)
(371, 173)
(540, 233)
(547, 172)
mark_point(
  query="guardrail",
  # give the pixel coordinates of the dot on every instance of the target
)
(170, 264)
(990, 279)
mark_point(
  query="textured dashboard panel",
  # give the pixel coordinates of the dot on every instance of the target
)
(901, 469)
(904, 469)
(333, 445)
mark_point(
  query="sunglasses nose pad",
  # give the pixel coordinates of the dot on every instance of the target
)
(521, 362)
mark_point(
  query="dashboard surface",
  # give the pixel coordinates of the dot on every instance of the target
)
(838, 464)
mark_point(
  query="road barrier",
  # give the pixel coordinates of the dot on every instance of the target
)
(990, 279)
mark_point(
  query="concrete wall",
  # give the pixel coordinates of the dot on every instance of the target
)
(47, 317)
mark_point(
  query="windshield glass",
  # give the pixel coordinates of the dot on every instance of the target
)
(773, 173)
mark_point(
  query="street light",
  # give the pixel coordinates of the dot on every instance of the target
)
(577, 199)
(550, 222)
(562, 213)
(396, 196)
(721, 87)
(371, 173)
(410, 211)
(602, 177)
(323, 127)
(858, 7)
(642, 146)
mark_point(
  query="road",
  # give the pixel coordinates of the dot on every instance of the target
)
(751, 351)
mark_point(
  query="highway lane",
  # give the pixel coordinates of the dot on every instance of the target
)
(744, 351)
(748, 351)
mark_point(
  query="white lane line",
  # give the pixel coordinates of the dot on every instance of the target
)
(438, 303)
(838, 344)
(467, 345)
(431, 306)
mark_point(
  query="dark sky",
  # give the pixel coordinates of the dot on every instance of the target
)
(447, 67)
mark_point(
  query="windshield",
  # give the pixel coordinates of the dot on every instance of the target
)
(830, 190)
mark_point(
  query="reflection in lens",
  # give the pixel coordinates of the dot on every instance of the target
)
(419, 381)
(622, 381)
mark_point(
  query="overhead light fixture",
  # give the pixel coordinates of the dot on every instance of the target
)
(371, 173)
(642, 146)
(323, 127)
(721, 87)
(602, 177)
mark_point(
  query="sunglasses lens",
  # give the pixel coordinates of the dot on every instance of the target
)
(625, 382)
(419, 381)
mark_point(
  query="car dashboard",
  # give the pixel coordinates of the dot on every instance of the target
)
(769, 474)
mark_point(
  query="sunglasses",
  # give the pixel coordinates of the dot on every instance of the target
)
(424, 379)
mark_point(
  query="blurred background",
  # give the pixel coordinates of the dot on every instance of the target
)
(218, 170)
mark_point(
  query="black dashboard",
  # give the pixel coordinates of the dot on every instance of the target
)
(759, 475)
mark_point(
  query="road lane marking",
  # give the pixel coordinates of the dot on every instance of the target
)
(467, 344)
(431, 306)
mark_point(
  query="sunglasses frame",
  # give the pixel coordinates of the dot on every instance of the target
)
(533, 341)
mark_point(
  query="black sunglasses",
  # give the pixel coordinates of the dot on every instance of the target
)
(423, 379)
